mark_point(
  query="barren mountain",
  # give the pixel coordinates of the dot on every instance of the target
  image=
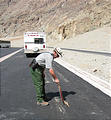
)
(60, 19)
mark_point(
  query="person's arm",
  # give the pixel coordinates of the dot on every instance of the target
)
(56, 80)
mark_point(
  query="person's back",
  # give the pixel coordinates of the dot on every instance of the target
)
(45, 59)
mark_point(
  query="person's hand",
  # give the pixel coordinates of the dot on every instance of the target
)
(57, 81)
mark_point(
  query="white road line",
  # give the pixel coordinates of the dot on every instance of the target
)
(7, 56)
(102, 85)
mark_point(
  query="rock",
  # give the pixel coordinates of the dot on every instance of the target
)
(73, 18)
(95, 70)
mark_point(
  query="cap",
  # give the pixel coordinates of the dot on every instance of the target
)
(58, 51)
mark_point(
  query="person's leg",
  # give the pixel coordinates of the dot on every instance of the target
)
(38, 83)
(43, 89)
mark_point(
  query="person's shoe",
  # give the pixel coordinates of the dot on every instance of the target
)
(43, 103)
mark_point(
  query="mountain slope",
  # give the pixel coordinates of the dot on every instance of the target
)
(60, 19)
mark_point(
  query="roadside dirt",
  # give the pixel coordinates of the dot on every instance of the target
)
(90, 52)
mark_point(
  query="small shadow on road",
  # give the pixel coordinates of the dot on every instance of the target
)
(32, 55)
(51, 95)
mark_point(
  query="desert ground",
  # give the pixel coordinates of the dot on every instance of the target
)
(90, 52)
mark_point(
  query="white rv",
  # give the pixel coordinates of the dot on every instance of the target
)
(34, 42)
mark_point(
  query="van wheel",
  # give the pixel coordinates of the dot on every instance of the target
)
(27, 55)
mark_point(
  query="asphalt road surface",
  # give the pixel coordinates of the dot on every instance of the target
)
(18, 98)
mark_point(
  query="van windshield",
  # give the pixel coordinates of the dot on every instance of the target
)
(38, 40)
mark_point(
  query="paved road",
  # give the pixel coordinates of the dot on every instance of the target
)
(17, 100)
(87, 51)
(6, 51)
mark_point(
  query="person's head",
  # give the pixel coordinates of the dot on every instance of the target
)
(57, 52)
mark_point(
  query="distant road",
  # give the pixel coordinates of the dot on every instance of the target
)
(90, 52)
(18, 100)
(87, 51)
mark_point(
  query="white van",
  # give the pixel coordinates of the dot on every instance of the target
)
(34, 42)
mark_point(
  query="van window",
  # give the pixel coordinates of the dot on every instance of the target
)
(38, 40)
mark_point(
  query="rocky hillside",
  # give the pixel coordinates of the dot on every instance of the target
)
(60, 19)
